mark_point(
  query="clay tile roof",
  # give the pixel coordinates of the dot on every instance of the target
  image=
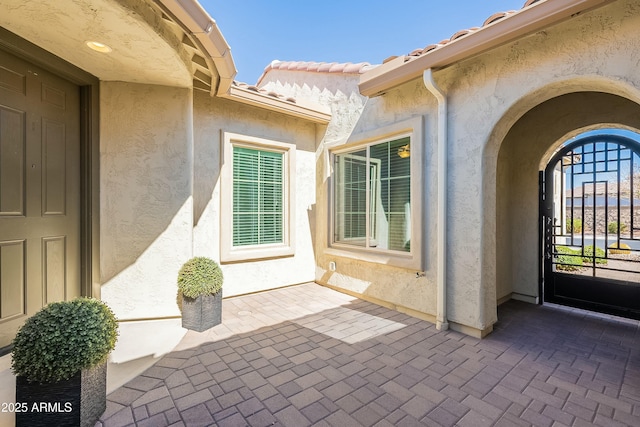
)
(320, 67)
(324, 67)
(337, 68)
(302, 66)
(317, 67)
(490, 20)
(263, 92)
(419, 52)
(495, 17)
(462, 33)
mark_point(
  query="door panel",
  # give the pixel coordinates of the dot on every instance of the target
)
(54, 261)
(54, 168)
(12, 280)
(12, 151)
(39, 191)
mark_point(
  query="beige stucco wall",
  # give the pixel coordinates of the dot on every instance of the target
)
(354, 118)
(488, 96)
(492, 192)
(506, 111)
(146, 212)
(212, 116)
(160, 194)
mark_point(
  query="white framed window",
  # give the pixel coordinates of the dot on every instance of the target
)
(376, 200)
(257, 198)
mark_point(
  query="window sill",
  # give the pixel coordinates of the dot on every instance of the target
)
(408, 261)
(255, 253)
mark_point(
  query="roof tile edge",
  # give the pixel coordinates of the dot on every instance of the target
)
(252, 95)
(317, 67)
(534, 16)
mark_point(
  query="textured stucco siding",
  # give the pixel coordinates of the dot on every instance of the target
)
(509, 108)
(495, 150)
(355, 115)
(211, 118)
(493, 200)
(146, 212)
(160, 195)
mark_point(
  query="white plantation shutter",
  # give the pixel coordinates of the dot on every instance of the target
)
(258, 197)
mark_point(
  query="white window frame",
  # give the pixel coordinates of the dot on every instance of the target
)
(230, 253)
(413, 259)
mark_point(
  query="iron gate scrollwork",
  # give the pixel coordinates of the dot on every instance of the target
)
(590, 211)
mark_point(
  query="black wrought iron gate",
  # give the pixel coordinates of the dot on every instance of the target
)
(590, 212)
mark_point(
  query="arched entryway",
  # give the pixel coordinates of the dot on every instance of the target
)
(525, 150)
(590, 216)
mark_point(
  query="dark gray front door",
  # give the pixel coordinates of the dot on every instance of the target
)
(591, 217)
(39, 191)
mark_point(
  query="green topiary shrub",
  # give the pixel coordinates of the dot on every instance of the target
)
(588, 255)
(568, 259)
(64, 338)
(612, 227)
(574, 226)
(200, 276)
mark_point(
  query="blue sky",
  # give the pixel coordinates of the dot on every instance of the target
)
(260, 31)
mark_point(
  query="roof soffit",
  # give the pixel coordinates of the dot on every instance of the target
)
(205, 37)
(145, 47)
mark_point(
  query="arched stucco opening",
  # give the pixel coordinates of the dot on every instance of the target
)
(524, 150)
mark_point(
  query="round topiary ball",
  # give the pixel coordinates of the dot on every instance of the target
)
(64, 338)
(200, 276)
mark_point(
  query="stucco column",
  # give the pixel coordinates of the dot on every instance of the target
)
(146, 217)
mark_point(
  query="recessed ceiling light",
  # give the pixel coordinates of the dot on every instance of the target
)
(98, 47)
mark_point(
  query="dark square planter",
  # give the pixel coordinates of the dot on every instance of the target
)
(78, 401)
(202, 313)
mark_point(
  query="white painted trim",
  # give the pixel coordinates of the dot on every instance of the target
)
(413, 260)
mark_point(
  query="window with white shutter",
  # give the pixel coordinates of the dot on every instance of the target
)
(257, 198)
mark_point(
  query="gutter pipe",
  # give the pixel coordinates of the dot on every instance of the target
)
(442, 324)
(196, 22)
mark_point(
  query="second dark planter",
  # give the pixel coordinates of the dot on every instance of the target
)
(202, 313)
(78, 401)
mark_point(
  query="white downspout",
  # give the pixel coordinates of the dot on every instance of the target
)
(442, 323)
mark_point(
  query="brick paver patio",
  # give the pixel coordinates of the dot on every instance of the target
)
(307, 355)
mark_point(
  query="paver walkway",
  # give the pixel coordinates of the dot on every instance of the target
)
(307, 355)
